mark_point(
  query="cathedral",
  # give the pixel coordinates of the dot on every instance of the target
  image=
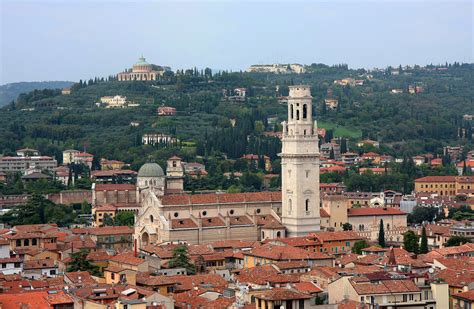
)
(169, 215)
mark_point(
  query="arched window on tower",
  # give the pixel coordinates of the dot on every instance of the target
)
(305, 111)
(306, 206)
(290, 206)
(297, 114)
(291, 111)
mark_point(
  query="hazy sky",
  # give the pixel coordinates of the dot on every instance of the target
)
(72, 39)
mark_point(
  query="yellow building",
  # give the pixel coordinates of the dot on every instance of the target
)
(446, 185)
(123, 268)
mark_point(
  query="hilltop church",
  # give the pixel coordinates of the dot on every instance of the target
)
(166, 214)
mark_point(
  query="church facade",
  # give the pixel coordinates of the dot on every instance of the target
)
(169, 215)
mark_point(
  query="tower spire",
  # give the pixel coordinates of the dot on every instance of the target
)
(300, 165)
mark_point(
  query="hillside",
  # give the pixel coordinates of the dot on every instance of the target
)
(405, 124)
(10, 92)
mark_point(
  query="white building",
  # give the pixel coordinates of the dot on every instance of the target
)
(21, 164)
(114, 101)
(300, 165)
(157, 138)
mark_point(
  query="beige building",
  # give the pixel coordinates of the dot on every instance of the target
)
(389, 292)
(143, 70)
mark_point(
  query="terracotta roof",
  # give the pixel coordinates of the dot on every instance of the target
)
(264, 274)
(291, 265)
(375, 249)
(44, 299)
(436, 179)
(212, 222)
(306, 287)
(274, 225)
(337, 236)
(456, 278)
(367, 287)
(278, 252)
(39, 264)
(240, 220)
(233, 243)
(323, 213)
(127, 258)
(98, 256)
(80, 277)
(281, 294)
(467, 296)
(214, 198)
(389, 211)
(183, 224)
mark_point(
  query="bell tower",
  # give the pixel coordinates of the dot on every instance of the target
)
(300, 165)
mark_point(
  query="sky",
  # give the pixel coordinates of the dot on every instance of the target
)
(46, 40)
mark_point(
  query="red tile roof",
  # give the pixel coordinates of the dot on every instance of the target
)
(307, 287)
(278, 252)
(281, 294)
(467, 296)
(214, 198)
(44, 299)
(337, 236)
(436, 179)
(127, 258)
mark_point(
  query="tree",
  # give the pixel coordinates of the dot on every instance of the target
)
(181, 259)
(108, 220)
(381, 235)
(359, 245)
(125, 218)
(410, 241)
(79, 262)
(424, 241)
(347, 226)
(422, 214)
(456, 241)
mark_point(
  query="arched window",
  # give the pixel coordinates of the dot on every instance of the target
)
(291, 111)
(278, 234)
(388, 226)
(263, 235)
(306, 205)
(297, 114)
(174, 163)
(305, 111)
(290, 206)
(151, 218)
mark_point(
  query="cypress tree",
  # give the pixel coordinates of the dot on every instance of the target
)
(381, 235)
(424, 241)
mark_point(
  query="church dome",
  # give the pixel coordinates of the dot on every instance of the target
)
(142, 61)
(150, 170)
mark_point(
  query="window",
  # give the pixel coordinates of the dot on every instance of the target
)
(204, 213)
(34, 242)
(151, 218)
(4, 265)
(411, 296)
(263, 235)
(290, 206)
(291, 111)
(17, 265)
(112, 276)
(52, 272)
(297, 114)
(307, 205)
(278, 234)
(305, 111)
(26, 242)
(307, 173)
(405, 297)
(174, 163)
(18, 243)
(258, 210)
(176, 215)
